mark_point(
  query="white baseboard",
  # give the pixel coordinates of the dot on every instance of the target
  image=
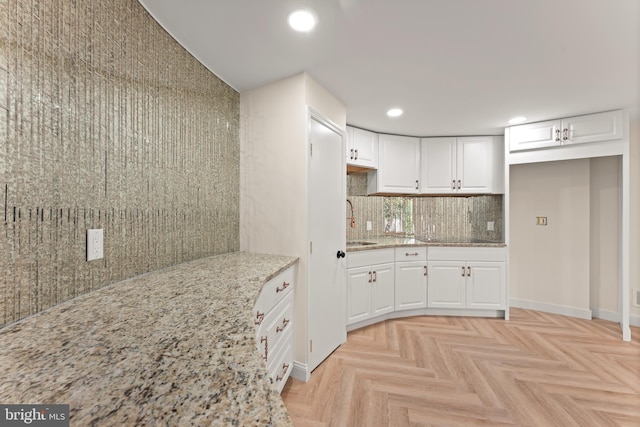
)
(301, 371)
(634, 320)
(564, 310)
(612, 316)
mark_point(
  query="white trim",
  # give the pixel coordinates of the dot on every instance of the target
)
(564, 310)
(612, 316)
(300, 371)
(634, 320)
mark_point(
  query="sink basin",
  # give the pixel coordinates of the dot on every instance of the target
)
(354, 243)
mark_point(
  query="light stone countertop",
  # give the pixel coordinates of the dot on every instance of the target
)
(171, 347)
(395, 242)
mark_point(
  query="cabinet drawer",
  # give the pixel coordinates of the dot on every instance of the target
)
(273, 292)
(467, 254)
(369, 257)
(281, 363)
(275, 325)
(411, 253)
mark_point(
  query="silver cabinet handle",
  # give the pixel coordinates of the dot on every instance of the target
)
(265, 340)
(356, 151)
(557, 135)
(351, 154)
(375, 276)
(285, 368)
(413, 254)
(425, 270)
(370, 277)
(285, 322)
(453, 186)
(565, 134)
(463, 272)
(259, 318)
(285, 285)
(458, 184)
(468, 271)
(417, 184)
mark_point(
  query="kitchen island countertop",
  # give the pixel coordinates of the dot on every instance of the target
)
(170, 347)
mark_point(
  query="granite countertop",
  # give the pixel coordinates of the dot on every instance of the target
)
(171, 347)
(395, 242)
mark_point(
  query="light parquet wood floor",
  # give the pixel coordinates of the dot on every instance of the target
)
(536, 369)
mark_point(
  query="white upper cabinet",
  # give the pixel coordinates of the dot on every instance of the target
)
(398, 166)
(362, 148)
(585, 129)
(463, 165)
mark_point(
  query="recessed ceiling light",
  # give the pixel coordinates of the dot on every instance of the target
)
(302, 20)
(394, 112)
(517, 120)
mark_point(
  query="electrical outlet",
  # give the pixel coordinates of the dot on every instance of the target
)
(490, 225)
(369, 226)
(95, 244)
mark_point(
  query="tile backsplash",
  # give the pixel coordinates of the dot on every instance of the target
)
(449, 218)
(106, 122)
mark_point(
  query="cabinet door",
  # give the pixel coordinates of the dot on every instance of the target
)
(486, 283)
(535, 135)
(398, 164)
(411, 285)
(363, 148)
(598, 127)
(438, 165)
(446, 284)
(358, 294)
(476, 164)
(382, 291)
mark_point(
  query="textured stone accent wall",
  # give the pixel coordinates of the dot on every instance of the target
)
(106, 122)
(454, 218)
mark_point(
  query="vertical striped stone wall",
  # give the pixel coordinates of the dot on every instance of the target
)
(106, 122)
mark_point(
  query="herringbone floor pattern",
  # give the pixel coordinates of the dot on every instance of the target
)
(536, 369)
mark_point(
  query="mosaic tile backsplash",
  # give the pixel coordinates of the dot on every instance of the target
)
(106, 122)
(446, 218)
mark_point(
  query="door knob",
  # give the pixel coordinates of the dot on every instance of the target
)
(340, 254)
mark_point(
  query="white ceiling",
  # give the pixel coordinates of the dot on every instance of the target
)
(456, 67)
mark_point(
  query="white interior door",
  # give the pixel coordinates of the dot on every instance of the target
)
(327, 234)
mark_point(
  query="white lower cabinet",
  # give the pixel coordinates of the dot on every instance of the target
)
(467, 278)
(273, 317)
(370, 284)
(411, 278)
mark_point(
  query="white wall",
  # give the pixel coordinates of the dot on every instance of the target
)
(549, 265)
(605, 236)
(273, 175)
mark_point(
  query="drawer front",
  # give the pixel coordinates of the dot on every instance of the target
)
(467, 254)
(369, 257)
(281, 364)
(411, 253)
(274, 291)
(276, 324)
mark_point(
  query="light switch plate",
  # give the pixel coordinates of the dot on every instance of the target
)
(490, 225)
(95, 244)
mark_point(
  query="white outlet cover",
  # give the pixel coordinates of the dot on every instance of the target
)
(95, 244)
(490, 225)
(369, 225)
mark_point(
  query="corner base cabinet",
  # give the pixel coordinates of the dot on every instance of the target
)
(370, 284)
(470, 278)
(273, 319)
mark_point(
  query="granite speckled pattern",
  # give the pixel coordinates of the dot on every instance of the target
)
(396, 242)
(171, 347)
